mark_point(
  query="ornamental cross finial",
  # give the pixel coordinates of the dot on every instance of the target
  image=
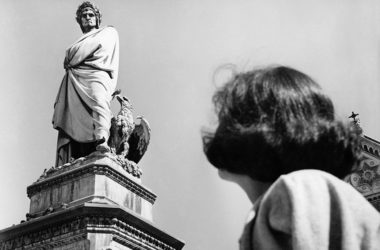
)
(353, 116)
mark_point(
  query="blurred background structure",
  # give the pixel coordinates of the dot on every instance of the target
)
(366, 177)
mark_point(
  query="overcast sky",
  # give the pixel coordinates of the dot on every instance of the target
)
(169, 50)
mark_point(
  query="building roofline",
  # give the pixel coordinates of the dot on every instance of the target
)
(373, 140)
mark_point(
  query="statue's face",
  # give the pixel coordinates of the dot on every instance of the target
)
(88, 20)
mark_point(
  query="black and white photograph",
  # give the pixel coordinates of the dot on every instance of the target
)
(188, 124)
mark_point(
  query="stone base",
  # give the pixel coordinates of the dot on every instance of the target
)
(88, 226)
(97, 178)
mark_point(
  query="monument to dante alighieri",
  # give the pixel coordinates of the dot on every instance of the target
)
(93, 197)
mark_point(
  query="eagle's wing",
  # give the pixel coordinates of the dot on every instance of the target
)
(139, 140)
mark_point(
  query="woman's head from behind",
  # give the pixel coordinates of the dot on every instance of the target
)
(276, 120)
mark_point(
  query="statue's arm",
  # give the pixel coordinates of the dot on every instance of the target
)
(82, 50)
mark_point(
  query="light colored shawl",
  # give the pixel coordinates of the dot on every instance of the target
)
(311, 209)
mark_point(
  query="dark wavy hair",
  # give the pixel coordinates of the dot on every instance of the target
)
(276, 120)
(94, 8)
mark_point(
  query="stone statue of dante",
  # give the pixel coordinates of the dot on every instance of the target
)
(82, 112)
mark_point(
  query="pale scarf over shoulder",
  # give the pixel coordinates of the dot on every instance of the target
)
(82, 106)
(311, 209)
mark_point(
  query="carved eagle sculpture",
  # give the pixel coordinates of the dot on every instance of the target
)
(139, 140)
(128, 139)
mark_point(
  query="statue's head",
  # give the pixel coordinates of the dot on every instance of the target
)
(88, 16)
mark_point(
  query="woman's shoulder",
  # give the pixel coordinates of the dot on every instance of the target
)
(318, 195)
(310, 177)
(307, 205)
(315, 184)
(314, 180)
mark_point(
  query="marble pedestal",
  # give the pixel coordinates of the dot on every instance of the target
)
(93, 203)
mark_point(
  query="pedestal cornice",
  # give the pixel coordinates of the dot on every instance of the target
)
(73, 225)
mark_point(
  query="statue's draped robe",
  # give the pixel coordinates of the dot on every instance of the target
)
(82, 112)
